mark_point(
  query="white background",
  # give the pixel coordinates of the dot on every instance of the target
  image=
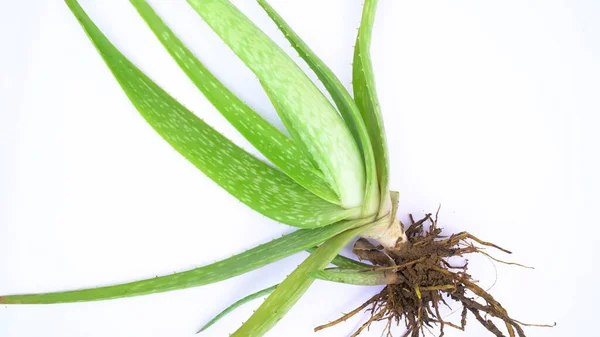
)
(491, 109)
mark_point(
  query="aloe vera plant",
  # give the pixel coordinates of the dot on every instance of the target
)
(330, 177)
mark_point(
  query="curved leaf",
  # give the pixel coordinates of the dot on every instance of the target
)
(365, 95)
(258, 185)
(236, 265)
(294, 286)
(274, 145)
(237, 304)
(344, 102)
(340, 261)
(317, 125)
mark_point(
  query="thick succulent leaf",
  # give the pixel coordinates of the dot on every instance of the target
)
(255, 183)
(350, 276)
(294, 286)
(365, 95)
(272, 143)
(344, 102)
(284, 116)
(218, 271)
(316, 122)
(339, 260)
(237, 304)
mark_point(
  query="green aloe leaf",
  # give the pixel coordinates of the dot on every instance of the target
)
(258, 185)
(272, 143)
(365, 95)
(236, 265)
(284, 116)
(344, 102)
(237, 304)
(317, 124)
(292, 288)
(339, 260)
(350, 276)
(296, 284)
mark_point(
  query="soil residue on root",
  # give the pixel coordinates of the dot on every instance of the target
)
(424, 281)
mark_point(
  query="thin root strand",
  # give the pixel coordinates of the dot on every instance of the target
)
(426, 277)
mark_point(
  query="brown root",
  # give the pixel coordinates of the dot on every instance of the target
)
(427, 279)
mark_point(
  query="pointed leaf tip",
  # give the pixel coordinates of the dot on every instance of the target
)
(237, 304)
(365, 95)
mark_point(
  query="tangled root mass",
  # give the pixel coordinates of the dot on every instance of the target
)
(424, 281)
